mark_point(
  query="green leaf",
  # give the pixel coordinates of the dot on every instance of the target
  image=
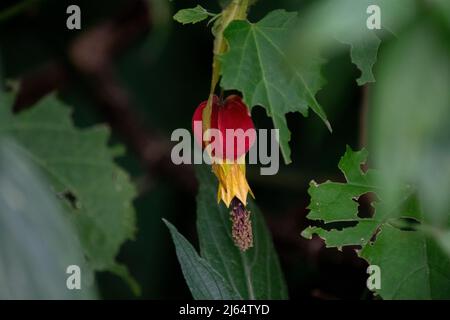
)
(80, 168)
(336, 199)
(191, 15)
(363, 53)
(346, 21)
(203, 280)
(413, 265)
(364, 43)
(358, 235)
(255, 274)
(257, 65)
(37, 240)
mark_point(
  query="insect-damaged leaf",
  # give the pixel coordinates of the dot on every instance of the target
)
(412, 264)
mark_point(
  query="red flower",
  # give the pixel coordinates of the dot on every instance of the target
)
(227, 117)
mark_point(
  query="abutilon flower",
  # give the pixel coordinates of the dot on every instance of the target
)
(231, 119)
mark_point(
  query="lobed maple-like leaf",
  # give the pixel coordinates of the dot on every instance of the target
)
(412, 264)
(257, 65)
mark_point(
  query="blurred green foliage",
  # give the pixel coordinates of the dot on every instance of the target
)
(38, 240)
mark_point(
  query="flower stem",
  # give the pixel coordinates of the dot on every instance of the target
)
(236, 10)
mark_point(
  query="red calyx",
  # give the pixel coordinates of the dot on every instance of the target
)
(229, 114)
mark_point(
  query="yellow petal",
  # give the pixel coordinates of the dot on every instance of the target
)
(232, 182)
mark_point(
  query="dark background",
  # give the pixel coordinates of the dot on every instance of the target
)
(135, 68)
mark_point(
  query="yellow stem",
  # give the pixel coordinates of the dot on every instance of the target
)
(236, 10)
